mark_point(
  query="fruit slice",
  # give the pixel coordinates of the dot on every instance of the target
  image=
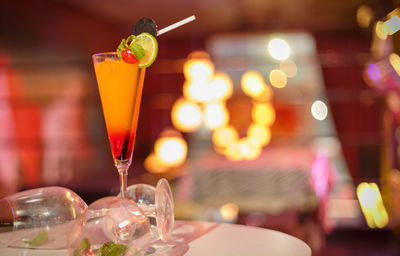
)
(150, 46)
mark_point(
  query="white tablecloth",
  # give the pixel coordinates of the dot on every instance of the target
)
(207, 238)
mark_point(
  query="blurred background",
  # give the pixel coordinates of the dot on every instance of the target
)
(277, 114)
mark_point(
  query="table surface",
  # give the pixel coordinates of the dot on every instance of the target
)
(207, 238)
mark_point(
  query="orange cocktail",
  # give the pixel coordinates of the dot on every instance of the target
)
(120, 86)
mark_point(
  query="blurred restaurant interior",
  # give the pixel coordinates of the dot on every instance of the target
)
(276, 114)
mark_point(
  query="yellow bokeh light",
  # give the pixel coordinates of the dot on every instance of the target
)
(198, 70)
(171, 151)
(233, 153)
(365, 16)
(395, 62)
(215, 115)
(289, 67)
(229, 211)
(263, 114)
(259, 135)
(381, 30)
(198, 91)
(277, 78)
(221, 87)
(253, 84)
(279, 49)
(186, 116)
(225, 136)
(154, 165)
(371, 203)
(248, 150)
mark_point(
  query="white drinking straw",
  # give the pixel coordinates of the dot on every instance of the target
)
(175, 25)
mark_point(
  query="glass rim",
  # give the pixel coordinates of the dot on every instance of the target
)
(104, 54)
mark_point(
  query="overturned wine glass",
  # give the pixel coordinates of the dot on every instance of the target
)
(39, 218)
(158, 205)
(110, 226)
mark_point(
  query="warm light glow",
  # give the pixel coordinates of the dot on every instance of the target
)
(229, 212)
(171, 151)
(263, 114)
(248, 150)
(197, 91)
(232, 153)
(198, 70)
(186, 116)
(215, 115)
(395, 62)
(380, 30)
(259, 135)
(253, 84)
(225, 136)
(392, 25)
(319, 110)
(289, 68)
(279, 49)
(277, 78)
(154, 165)
(365, 16)
(221, 87)
(371, 203)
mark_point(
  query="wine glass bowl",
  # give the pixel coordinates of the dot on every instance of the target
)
(157, 204)
(38, 218)
(110, 223)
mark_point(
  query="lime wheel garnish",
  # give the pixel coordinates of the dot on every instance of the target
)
(141, 49)
(150, 46)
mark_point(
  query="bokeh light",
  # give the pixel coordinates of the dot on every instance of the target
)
(279, 49)
(277, 78)
(394, 60)
(259, 135)
(253, 84)
(154, 165)
(319, 110)
(198, 70)
(247, 149)
(171, 151)
(374, 73)
(229, 211)
(381, 30)
(289, 67)
(215, 115)
(225, 136)
(372, 206)
(186, 116)
(221, 87)
(365, 15)
(392, 25)
(263, 114)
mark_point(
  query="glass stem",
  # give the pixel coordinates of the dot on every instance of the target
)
(123, 176)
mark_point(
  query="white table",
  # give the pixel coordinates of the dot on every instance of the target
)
(207, 238)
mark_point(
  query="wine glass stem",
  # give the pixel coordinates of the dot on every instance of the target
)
(123, 176)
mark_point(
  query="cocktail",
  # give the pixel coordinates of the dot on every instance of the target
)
(120, 77)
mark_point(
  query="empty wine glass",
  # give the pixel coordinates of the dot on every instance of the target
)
(39, 218)
(157, 204)
(110, 226)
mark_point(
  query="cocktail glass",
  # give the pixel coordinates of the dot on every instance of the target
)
(39, 218)
(120, 86)
(158, 205)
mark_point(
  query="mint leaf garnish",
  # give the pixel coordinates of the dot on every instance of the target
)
(111, 249)
(38, 240)
(137, 50)
(83, 247)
